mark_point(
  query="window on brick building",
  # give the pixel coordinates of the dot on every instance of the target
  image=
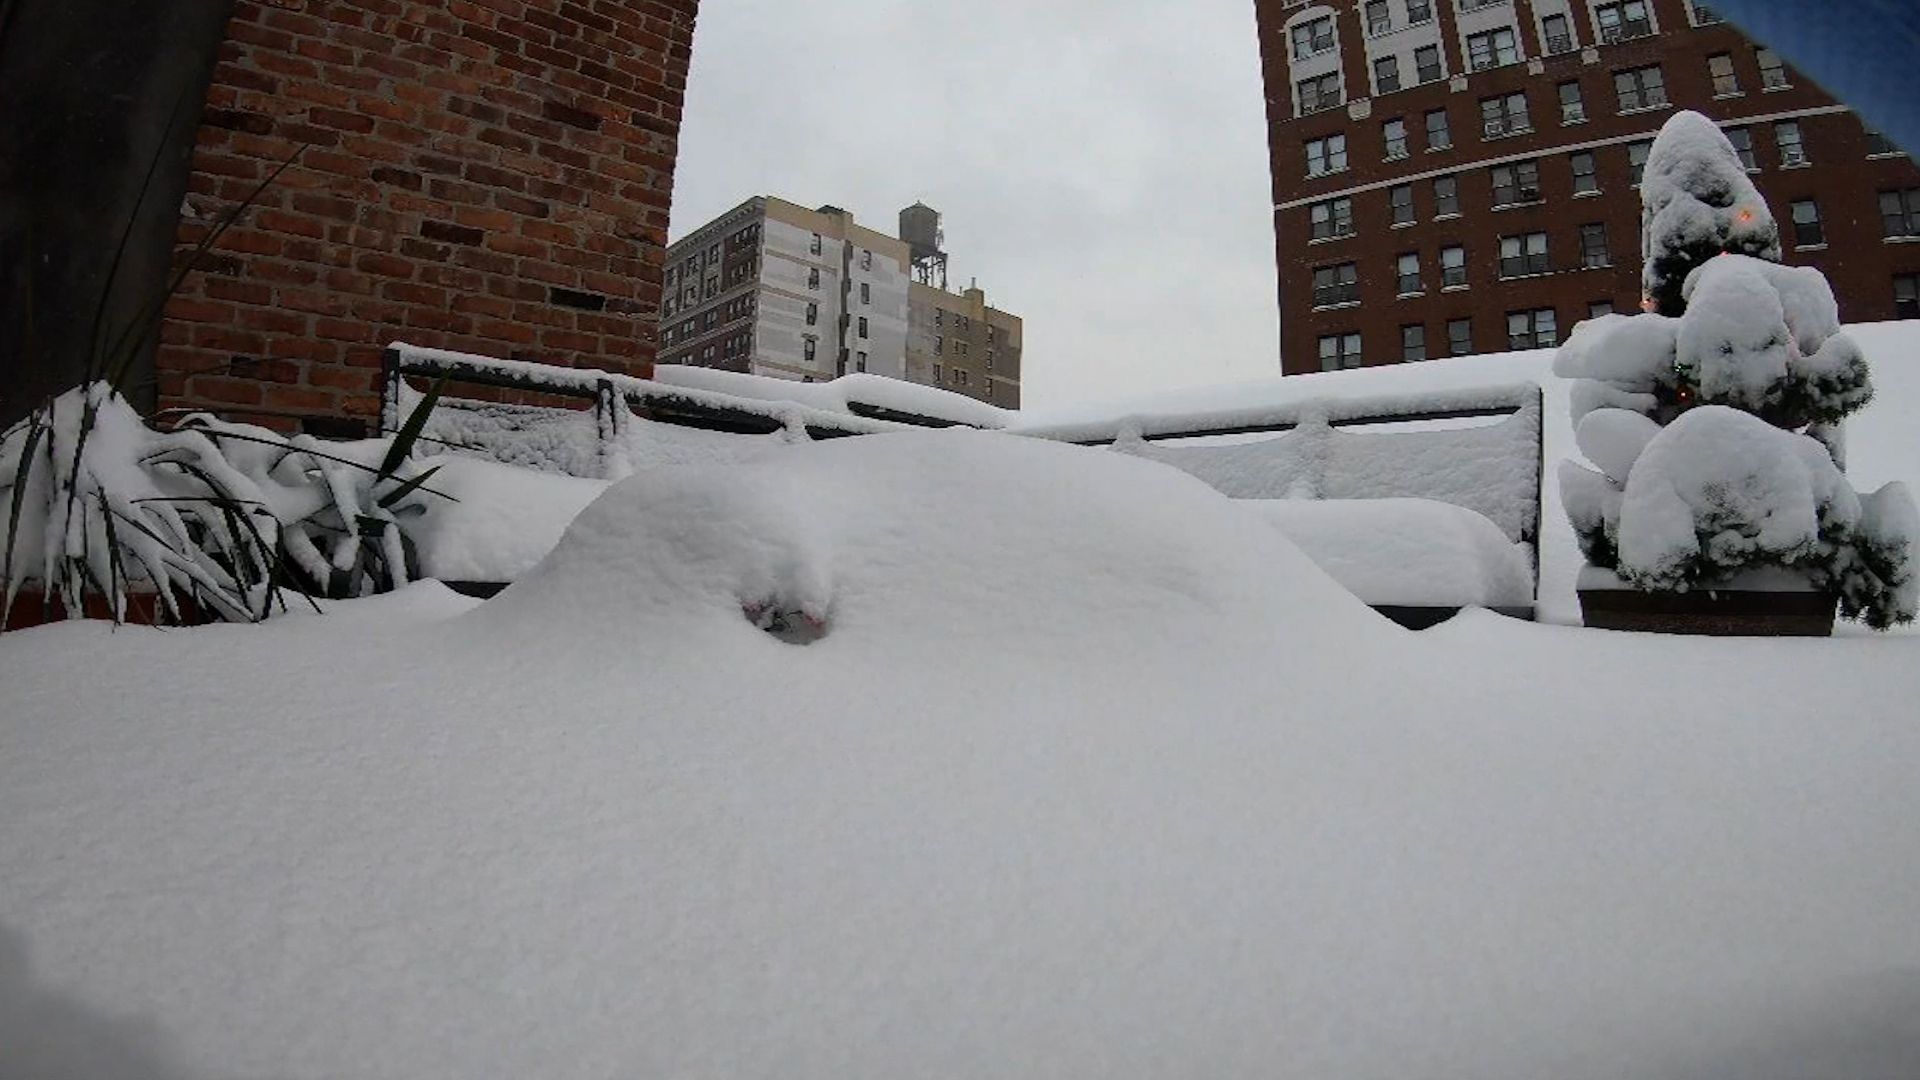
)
(1516, 183)
(1379, 17)
(1504, 115)
(1623, 21)
(1338, 284)
(1906, 296)
(1313, 36)
(1494, 48)
(1413, 343)
(1598, 308)
(1640, 88)
(1326, 155)
(1573, 107)
(1460, 337)
(1393, 135)
(1408, 269)
(1439, 132)
(1637, 159)
(1331, 218)
(1593, 245)
(1338, 351)
(1538, 329)
(1705, 16)
(1808, 229)
(1446, 196)
(1586, 176)
(1320, 93)
(1524, 255)
(1793, 151)
(1725, 82)
(1742, 140)
(1426, 64)
(1453, 266)
(1900, 213)
(1557, 33)
(1773, 72)
(1386, 75)
(1879, 145)
(1400, 198)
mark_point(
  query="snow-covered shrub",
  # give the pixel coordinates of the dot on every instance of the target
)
(1697, 202)
(1714, 418)
(342, 506)
(97, 502)
(94, 501)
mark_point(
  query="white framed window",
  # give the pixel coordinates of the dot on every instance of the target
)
(1338, 351)
(1337, 284)
(1524, 255)
(1726, 83)
(1640, 88)
(1326, 155)
(1793, 150)
(1492, 49)
(1453, 266)
(1413, 343)
(1773, 71)
(1407, 270)
(1393, 137)
(1312, 37)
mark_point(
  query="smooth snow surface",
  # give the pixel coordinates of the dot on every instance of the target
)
(500, 521)
(1092, 775)
(1407, 551)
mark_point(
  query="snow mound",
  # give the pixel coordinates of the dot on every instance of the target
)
(1414, 552)
(500, 521)
(985, 532)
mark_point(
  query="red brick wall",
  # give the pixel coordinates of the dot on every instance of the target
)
(492, 176)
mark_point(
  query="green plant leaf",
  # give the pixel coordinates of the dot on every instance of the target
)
(407, 488)
(18, 502)
(416, 421)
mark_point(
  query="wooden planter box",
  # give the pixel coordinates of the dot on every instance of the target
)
(1717, 613)
(143, 609)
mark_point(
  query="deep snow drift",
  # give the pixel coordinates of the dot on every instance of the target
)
(1093, 774)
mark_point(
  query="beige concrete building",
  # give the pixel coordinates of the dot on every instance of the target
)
(772, 288)
(957, 342)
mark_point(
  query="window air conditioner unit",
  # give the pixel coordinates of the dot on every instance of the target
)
(1494, 129)
(1485, 63)
(1793, 157)
(1612, 35)
(1529, 194)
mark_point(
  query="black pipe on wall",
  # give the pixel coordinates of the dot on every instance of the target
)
(93, 95)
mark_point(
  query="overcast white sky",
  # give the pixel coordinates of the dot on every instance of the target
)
(1101, 165)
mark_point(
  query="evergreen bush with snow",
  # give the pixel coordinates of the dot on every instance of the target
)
(1714, 418)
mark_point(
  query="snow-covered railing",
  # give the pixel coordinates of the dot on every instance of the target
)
(1320, 450)
(585, 442)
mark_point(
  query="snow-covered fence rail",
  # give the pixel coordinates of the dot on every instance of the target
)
(1320, 449)
(586, 441)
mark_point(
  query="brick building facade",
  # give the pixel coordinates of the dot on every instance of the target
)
(1460, 176)
(484, 175)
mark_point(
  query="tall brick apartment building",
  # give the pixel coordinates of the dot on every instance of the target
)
(492, 176)
(1459, 176)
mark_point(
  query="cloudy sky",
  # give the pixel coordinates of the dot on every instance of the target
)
(1100, 164)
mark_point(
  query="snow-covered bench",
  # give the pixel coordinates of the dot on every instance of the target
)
(1375, 468)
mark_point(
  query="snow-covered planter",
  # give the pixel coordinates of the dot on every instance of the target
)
(1713, 419)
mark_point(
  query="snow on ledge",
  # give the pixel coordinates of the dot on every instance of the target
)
(792, 414)
(1224, 417)
(842, 395)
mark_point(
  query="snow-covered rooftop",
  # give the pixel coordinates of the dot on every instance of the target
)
(1093, 774)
